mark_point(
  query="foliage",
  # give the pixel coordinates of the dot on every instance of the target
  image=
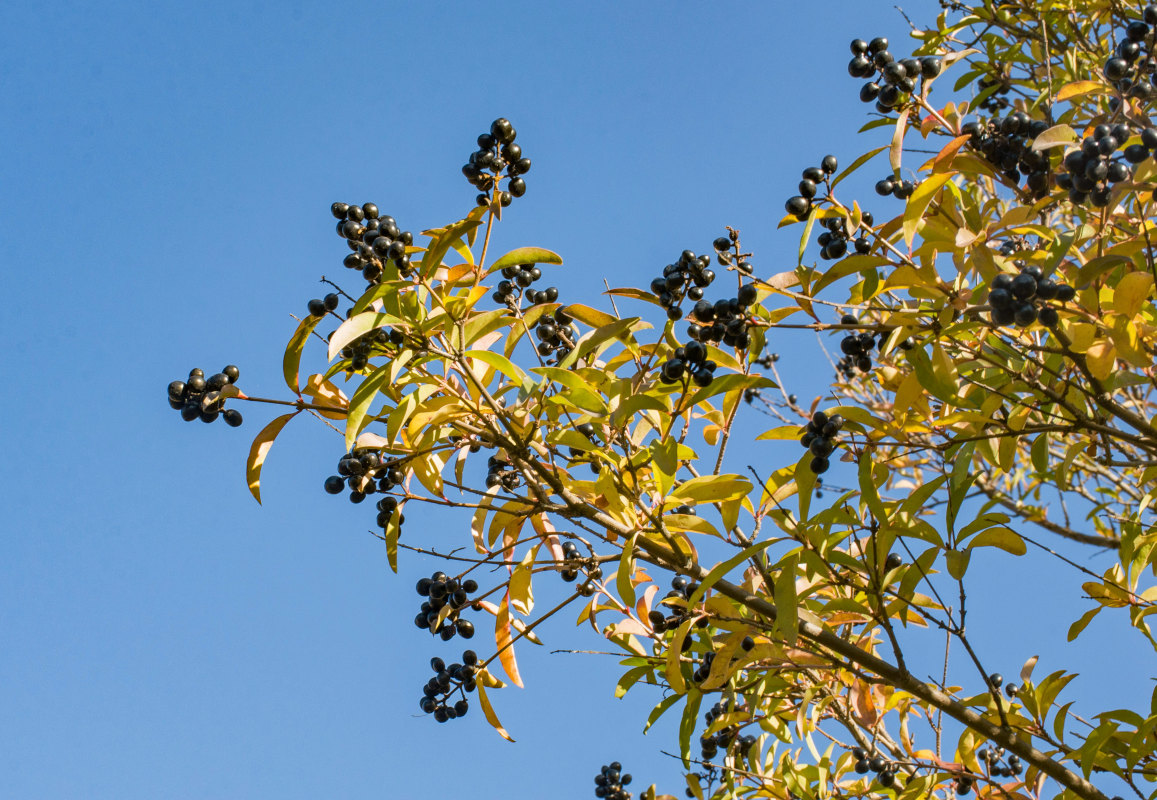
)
(984, 403)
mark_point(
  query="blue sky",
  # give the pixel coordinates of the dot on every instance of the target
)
(167, 174)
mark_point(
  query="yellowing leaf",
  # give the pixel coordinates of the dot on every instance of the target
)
(357, 325)
(1101, 358)
(919, 201)
(1001, 537)
(260, 449)
(324, 393)
(525, 255)
(491, 717)
(505, 641)
(710, 489)
(895, 152)
(1056, 136)
(1131, 293)
(292, 359)
(1077, 88)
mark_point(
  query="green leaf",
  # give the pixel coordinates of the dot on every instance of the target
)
(1056, 136)
(629, 679)
(525, 255)
(661, 709)
(499, 362)
(291, 362)
(1082, 623)
(1002, 537)
(728, 383)
(626, 567)
(859, 162)
(688, 725)
(786, 600)
(360, 403)
(260, 449)
(957, 562)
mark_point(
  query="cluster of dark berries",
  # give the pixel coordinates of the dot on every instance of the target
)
(1022, 300)
(516, 278)
(379, 341)
(681, 589)
(857, 349)
(1131, 67)
(901, 189)
(197, 398)
(689, 362)
(374, 240)
(365, 471)
(1096, 165)
(1006, 144)
(821, 437)
(998, 766)
(457, 678)
(896, 79)
(724, 320)
(723, 738)
(766, 360)
(687, 277)
(387, 508)
(885, 770)
(801, 205)
(834, 240)
(723, 247)
(445, 593)
(995, 100)
(497, 152)
(610, 781)
(321, 307)
(573, 562)
(750, 395)
(554, 333)
(500, 472)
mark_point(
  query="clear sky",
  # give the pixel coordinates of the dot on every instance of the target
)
(166, 177)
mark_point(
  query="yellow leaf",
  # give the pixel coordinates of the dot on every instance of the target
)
(1131, 293)
(919, 201)
(1077, 88)
(260, 450)
(505, 641)
(491, 717)
(1101, 358)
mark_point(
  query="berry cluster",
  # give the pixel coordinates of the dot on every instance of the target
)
(370, 344)
(898, 77)
(321, 307)
(1096, 166)
(374, 240)
(724, 255)
(801, 205)
(1021, 300)
(681, 589)
(767, 360)
(515, 279)
(821, 437)
(1006, 144)
(900, 189)
(446, 682)
(689, 361)
(573, 562)
(610, 781)
(677, 279)
(724, 737)
(497, 152)
(500, 472)
(553, 331)
(387, 507)
(723, 320)
(365, 471)
(995, 101)
(885, 770)
(857, 349)
(833, 242)
(1129, 73)
(447, 597)
(992, 759)
(197, 398)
